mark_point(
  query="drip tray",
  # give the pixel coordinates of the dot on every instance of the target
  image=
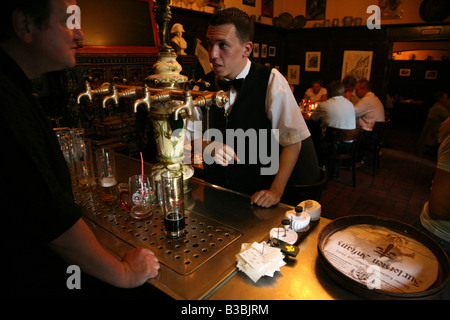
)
(204, 237)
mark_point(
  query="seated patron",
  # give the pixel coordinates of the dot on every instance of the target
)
(350, 92)
(439, 112)
(369, 109)
(336, 112)
(316, 93)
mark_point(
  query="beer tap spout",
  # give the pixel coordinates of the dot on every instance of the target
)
(146, 100)
(187, 106)
(114, 96)
(90, 93)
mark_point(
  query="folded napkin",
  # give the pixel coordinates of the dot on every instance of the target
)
(259, 259)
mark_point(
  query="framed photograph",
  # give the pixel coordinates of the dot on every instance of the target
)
(248, 2)
(256, 50)
(213, 3)
(357, 64)
(431, 74)
(264, 51)
(267, 8)
(315, 9)
(272, 51)
(312, 61)
(404, 72)
(293, 75)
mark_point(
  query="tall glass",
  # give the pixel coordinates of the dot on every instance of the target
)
(106, 172)
(84, 163)
(173, 203)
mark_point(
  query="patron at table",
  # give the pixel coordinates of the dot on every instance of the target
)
(350, 92)
(316, 93)
(336, 111)
(439, 112)
(369, 109)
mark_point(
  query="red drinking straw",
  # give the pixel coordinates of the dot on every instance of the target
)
(142, 175)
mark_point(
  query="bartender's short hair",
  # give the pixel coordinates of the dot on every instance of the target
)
(335, 88)
(245, 28)
(38, 10)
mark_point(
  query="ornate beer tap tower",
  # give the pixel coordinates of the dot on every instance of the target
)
(167, 96)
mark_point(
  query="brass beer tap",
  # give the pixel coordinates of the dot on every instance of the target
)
(90, 93)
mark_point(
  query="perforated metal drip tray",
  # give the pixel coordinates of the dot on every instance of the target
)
(204, 237)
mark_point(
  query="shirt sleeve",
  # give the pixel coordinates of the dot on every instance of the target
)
(283, 111)
(361, 108)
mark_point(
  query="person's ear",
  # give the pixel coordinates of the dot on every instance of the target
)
(248, 47)
(23, 26)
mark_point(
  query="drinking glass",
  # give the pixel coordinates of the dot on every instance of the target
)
(83, 163)
(106, 172)
(140, 197)
(173, 203)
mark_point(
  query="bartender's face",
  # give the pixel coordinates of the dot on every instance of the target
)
(227, 53)
(54, 43)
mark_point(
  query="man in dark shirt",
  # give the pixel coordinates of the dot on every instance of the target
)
(43, 224)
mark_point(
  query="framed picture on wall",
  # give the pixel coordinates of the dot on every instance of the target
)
(357, 64)
(256, 50)
(431, 74)
(404, 72)
(249, 2)
(213, 3)
(267, 8)
(264, 51)
(293, 75)
(312, 61)
(272, 51)
(315, 9)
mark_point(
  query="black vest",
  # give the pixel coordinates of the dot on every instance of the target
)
(248, 112)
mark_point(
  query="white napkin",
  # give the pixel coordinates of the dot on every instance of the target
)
(259, 259)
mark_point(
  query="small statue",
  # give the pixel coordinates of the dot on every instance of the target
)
(178, 43)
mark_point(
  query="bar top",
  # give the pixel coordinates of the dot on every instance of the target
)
(202, 264)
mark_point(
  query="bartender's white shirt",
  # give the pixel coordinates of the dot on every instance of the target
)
(281, 109)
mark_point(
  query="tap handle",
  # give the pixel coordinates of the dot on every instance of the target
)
(221, 99)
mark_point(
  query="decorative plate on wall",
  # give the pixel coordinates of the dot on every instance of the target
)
(286, 20)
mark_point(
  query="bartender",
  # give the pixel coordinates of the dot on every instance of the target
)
(260, 100)
(45, 230)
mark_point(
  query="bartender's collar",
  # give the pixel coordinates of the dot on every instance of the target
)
(244, 71)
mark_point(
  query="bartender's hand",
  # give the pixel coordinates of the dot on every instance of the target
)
(221, 153)
(140, 265)
(265, 198)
